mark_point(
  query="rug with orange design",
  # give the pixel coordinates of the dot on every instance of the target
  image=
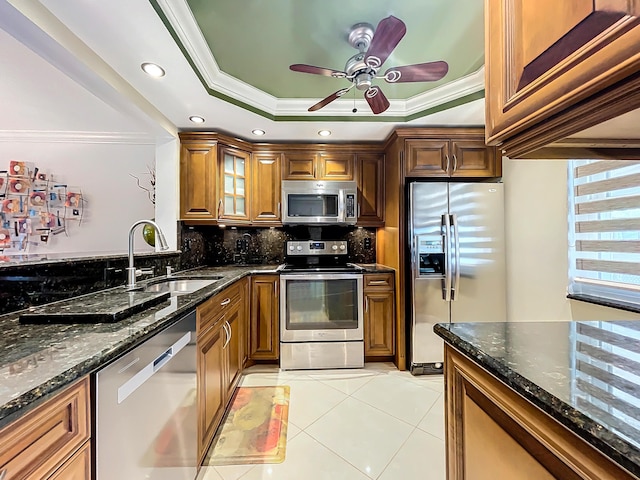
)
(255, 428)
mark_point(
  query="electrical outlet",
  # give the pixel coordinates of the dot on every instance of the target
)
(367, 243)
(239, 245)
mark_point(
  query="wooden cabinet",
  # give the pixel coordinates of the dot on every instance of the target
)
(313, 165)
(234, 346)
(211, 388)
(493, 432)
(234, 186)
(442, 157)
(554, 69)
(265, 318)
(370, 179)
(42, 443)
(336, 166)
(379, 315)
(198, 199)
(220, 345)
(78, 467)
(265, 190)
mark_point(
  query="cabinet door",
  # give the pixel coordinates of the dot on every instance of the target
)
(300, 166)
(77, 467)
(211, 391)
(234, 349)
(379, 315)
(265, 318)
(265, 190)
(427, 158)
(472, 158)
(336, 166)
(370, 190)
(197, 182)
(545, 56)
(233, 203)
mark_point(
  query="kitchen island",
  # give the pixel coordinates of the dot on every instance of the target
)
(542, 400)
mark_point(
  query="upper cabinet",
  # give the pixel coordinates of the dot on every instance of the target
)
(234, 168)
(228, 181)
(265, 189)
(556, 68)
(313, 165)
(370, 179)
(198, 181)
(450, 153)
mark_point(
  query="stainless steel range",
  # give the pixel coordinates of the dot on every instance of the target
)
(321, 307)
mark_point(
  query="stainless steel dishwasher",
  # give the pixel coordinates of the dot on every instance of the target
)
(146, 409)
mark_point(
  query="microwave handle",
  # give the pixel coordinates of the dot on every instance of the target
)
(342, 208)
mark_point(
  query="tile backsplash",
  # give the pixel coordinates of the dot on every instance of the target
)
(210, 245)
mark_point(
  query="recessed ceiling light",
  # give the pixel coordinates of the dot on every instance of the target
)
(196, 119)
(153, 70)
(258, 132)
(324, 133)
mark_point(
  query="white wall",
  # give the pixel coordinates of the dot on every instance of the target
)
(537, 249)
(102, 171)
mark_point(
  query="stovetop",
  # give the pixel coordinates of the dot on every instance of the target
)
(346, 268)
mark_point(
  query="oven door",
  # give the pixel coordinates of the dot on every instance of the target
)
(321, 307)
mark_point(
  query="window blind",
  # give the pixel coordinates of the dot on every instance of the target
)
(604, 229)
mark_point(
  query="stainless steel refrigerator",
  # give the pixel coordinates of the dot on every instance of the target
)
(456, 238)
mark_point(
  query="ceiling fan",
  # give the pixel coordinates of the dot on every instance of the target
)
(362, 68)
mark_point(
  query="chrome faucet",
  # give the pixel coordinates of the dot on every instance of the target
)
(132, 272)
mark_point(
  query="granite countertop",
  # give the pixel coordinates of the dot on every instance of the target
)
(586, 375)
(37, 360)
(375, 268)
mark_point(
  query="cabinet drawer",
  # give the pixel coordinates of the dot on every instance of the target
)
(213, 309)
(378, 281)
(41, 440)
(77, 467)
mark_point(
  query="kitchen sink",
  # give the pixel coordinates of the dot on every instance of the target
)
(180, 286)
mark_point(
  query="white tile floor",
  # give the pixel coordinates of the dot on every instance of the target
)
(372, 423)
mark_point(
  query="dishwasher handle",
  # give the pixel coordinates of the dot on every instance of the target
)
(135, 382)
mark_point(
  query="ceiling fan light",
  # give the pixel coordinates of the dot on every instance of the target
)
(196, 119)
(153, 70)
(258, 132)
(324, 133)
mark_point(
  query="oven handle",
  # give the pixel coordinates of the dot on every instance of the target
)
(341, 206)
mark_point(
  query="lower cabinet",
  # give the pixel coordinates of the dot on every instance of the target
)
(78, 467)
(379, 315)
(221, 351)
(493, 432)
(51, 441)
(265, 318)
(211, 389)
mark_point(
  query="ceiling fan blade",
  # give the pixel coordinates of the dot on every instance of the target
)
(420, 72)
(388, 34)
(326, 101)
(376, 100)
(327, 72)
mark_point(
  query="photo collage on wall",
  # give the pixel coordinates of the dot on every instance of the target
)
(34, 207)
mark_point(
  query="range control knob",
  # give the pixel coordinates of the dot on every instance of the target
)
(343, 247)
(292, 248)
(299, 247)
(334, 247)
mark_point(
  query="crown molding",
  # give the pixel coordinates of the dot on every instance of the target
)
(179, 20)
(54, 136)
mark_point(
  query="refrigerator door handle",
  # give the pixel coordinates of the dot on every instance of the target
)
(456, 240)
(446, 294)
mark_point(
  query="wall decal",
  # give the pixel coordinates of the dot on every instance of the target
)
(35, 207)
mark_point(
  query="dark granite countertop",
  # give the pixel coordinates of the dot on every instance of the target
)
(37, 360)
(375, 268)
(586, 375)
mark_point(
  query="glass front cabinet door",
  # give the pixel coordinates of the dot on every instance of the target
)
(233, 203)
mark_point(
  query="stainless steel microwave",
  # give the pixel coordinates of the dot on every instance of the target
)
(319, 202)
